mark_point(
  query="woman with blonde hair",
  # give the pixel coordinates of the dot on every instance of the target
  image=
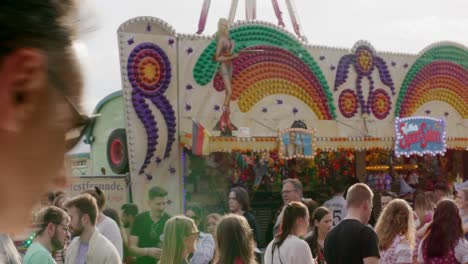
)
(424, 210)
(234, 241)
(395, 229)
(462, 203)
(180, 237)
(212, 221)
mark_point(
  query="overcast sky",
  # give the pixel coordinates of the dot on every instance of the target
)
(398, 25)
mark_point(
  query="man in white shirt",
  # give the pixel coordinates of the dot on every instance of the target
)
(106, 225)
(337, 204)
(89, 246)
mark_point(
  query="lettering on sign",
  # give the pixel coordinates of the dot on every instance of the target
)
(419, 135)
(115, 189)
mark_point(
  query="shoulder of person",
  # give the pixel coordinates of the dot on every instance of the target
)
(39, 256)
(75, 241)
(141, 216)
(166, 216)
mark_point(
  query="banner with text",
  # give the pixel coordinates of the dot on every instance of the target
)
(419, 135)
(115, 189)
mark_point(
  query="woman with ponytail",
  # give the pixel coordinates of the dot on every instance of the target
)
(287, 247)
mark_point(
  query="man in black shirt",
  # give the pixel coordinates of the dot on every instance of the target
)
(352, 241)
(146, 236)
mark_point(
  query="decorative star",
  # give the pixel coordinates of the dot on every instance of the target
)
(428, 112)
(322, 58)
(279, 101)
(216, 108)
(171, 42)
(393, 63)
(189, 50)
(189, 87)
(131, 41)
(149, 177)
(405, 65)
(446, 114)
(172, 170)
(332, 68)
(188, 107)
(295, 110)
(158, 160)
(148, 27)
(264, 110)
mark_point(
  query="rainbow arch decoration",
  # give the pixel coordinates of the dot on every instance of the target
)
(283, 66)
(439, 74)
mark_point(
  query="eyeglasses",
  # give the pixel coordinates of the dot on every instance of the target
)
(65, 228)
(81, 121)
(196, 234)
(288, 191)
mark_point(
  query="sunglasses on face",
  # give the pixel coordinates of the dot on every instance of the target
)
(195, 234)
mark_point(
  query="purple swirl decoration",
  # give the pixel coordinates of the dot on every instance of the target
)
(149, 73)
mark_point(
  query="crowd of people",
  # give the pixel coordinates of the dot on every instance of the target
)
(40, 92)
(81, 229)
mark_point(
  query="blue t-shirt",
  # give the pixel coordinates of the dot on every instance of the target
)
(38, 254)
(81, 257)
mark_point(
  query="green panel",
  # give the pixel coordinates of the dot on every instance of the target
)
(112, 117)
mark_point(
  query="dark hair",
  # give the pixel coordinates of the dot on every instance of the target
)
(339, 187)
(299, 124)
(311, 207)
(291, 212)
(113, 214)
(130, 209)
(49, 214)
(440, 186)
(46, 25)
(198, 211)
(234, 240)
(99, 196)
(389, 194)
(444, 232)
(317, 215)
(51, 197)
(242, 197)
(156, 191)
(86, 204)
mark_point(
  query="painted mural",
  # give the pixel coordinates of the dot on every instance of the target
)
(349, 97)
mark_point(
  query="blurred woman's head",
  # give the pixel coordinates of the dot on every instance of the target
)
(212, 221)
(295, 222)
(423, 205)
(462, 199)
(322, 220)
(321, 223)
(396, 219)
(180, 238)
(445, 231)
(234, 239)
